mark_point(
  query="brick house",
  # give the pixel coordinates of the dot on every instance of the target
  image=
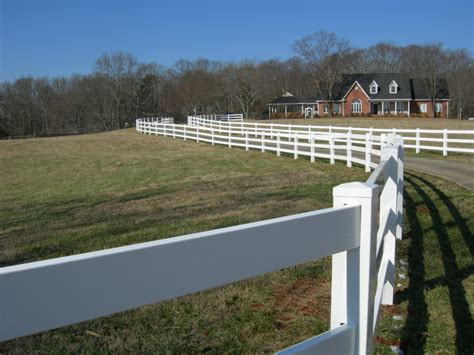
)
(368, 95)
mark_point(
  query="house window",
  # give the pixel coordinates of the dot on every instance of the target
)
(438, 107)
(336, 108)
(374, 88)
(423, 108)
(356, 106)
(393, 88)
(325, 108)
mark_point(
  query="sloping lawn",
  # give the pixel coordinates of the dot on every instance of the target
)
(63, 196)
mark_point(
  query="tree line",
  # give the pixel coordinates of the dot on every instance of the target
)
(120, 89)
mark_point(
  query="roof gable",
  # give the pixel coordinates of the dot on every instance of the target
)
(355, 85)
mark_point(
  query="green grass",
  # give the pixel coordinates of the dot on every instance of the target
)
(63, 196)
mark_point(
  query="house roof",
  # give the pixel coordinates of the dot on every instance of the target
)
(408, 89)
(383, 81)
(419, 91)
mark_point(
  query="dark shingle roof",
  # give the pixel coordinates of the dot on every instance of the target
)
(383, 81)
(408, 89)
(420, 92)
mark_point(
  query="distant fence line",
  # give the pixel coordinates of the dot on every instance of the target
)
(440, 140)
(348, 147)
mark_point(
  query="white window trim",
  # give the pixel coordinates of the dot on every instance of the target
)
(440, 106)
(423, 107)
(373, 88)
(393, 84)
(356, 104)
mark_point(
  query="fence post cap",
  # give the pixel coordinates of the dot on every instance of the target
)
(355, 189)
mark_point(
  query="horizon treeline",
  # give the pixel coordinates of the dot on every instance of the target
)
(120, 89)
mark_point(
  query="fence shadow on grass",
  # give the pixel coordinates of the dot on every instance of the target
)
(414, 332)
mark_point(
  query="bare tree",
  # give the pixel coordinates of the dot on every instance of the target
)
(460, 66)
(327, 55)
(429, 63)
(119, 67)
(383, 58)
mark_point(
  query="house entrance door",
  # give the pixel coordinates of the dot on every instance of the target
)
(375, 108)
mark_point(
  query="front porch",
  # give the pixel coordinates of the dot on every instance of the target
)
(306, 110)
(381, 107)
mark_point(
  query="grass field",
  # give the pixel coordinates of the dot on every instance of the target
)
(63, 196)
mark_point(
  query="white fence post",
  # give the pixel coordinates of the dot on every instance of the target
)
(417, 141)
(263, 142)
(389, 201)
(278, 144)
(401, 152)
(246, 141)
(197, 134)
(331, 150)
(368, 149)
(212, 136)
(349, 148)
(354, 271)
(312, 149)
(271, 130)
(184, 131)
(295, 140)
(445, 142)
(230, 144)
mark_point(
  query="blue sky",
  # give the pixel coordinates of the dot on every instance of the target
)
(53, 37)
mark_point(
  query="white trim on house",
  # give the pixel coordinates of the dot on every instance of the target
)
(350, 89)
(356, 106)
(393, 84)
(372, 86)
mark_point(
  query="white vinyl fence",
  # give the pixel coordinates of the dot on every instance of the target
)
(158, 119)
(48, 294)
(347, 147)
(441, 140)
(226, 117)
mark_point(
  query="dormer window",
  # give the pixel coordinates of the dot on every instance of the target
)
(393, 87)
(374, 88)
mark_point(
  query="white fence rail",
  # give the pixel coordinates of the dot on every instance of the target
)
(225, 117)
(441, 140)
(347, 147)
(48, 294)
(158, 119)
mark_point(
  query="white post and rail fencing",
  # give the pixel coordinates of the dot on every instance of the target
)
(435, 140)
(48, 294)
(359, 149)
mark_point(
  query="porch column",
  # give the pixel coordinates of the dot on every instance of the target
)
(396, 107)
(383, 108)
(312, 112)
(269, 111)
(286, 111)
(302, 109)
(408, 106)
